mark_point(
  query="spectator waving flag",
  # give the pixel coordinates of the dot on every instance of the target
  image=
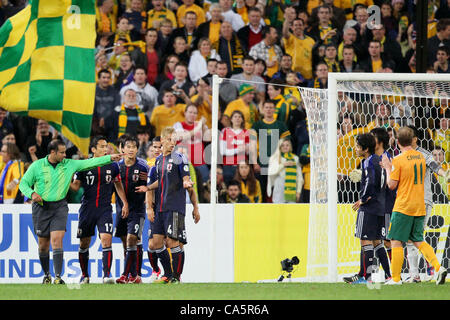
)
(47, 66)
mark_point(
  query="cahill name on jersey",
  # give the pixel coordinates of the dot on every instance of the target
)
(408, 169)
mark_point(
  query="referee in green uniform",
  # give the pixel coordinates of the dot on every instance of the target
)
(46, 183)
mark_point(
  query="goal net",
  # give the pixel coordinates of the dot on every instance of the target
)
(354, 104)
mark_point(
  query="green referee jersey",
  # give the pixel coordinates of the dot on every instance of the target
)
(52, 183)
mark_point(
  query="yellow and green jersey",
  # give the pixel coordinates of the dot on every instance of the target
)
(408, 169)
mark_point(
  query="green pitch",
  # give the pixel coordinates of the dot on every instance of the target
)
(222, 291)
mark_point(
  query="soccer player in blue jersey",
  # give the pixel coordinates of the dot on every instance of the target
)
(150, 200)
(96, 210)
(383, 252)
(133, 173)
(370, 206)
(168, 221)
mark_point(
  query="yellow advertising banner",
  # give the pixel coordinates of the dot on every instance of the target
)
(266, 234)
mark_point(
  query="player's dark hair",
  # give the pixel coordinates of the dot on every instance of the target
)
(95, 140)
(382, 136)
(156, 139)
(130, 138)
(366, 141)
(121, 140)
(54, 145)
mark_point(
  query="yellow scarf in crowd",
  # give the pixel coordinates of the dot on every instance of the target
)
(123, 119)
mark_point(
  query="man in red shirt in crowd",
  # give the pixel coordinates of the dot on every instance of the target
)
(191, 134)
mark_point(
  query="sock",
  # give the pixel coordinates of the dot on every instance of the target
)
(412, 256)
(380, 252)
(176, 261)
(44, 257)
(83, 257)
(368, 260)
(130, 262)
(166, 261)
(397, 263)
(107, 261)
(182, 260)
(139, 259)
(153, 258)
(361, 263)
(429, 255)
(58, 255)
(389, 253)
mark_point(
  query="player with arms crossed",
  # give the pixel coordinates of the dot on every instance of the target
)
(431, 167)
(133, 173)
(96, 210)
(406, 173)
(370, 207)
(168, 222)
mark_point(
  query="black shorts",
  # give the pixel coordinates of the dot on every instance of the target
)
(133, 224)
(120, 228)
(369, 226)
(51, 216)
(94, 217)
(170, 224)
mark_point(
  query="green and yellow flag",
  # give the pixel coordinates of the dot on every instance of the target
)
(47, 66)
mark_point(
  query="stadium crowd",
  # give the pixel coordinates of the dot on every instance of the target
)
(154, 65)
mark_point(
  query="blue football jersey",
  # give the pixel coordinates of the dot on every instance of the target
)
(373, 191)
(98, 185)
(153, 177)
(170, 171)
(133, 176)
